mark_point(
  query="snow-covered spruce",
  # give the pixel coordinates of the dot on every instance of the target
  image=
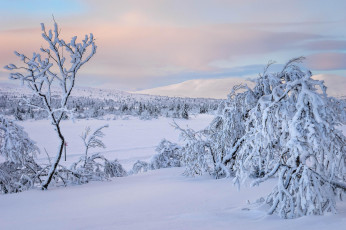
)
(39, 76)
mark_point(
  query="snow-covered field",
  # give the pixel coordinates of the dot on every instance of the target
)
(160, 199)
(127, 139)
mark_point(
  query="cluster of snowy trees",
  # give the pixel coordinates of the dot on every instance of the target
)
(50, 76)
(21, 172)
(285, 127)
(144, 107)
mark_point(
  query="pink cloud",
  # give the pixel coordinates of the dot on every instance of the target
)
(327, 61)
(133, 48)
(327, 45)
(134, 51)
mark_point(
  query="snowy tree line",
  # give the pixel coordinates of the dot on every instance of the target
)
(147, 107)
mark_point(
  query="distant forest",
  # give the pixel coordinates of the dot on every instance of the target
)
(146, 107)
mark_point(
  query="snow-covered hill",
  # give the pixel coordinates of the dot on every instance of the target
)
(205, 88)
(219, 88)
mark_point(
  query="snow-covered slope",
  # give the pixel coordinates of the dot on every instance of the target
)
(18, 90)
(219, 88)
(205, 88)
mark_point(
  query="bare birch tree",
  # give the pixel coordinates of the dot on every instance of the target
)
(57, 66)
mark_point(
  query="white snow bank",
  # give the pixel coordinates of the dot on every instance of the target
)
(160, 199)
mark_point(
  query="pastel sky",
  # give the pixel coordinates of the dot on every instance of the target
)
(149, 43)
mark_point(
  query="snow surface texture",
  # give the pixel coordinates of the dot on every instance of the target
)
(220, 88)
(159, 199)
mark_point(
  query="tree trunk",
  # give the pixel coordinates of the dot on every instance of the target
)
(56, 161)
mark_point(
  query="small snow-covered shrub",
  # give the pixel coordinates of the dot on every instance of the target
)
(140, 166)
(145, 115)
(197, 155)
(19, 172)
(114, 169)
(96, 168)
(169, 155)
(16, 177)
(15, 144)
(90, 168)
(198, 159)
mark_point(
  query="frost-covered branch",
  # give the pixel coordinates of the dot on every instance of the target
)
(93, 139)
